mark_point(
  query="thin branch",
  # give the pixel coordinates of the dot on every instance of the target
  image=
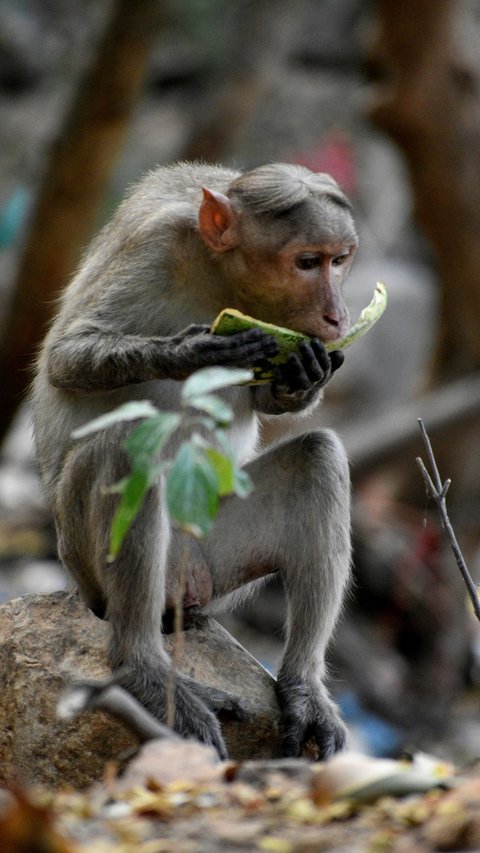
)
(119, 703)
(438, 490)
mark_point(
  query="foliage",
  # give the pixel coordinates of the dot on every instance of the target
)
(202, 469)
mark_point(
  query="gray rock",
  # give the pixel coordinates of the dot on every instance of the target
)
(48, 641)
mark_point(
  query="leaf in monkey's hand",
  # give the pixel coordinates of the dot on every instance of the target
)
(230, 321)
(192, 490)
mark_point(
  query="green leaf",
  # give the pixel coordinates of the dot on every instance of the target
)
(243, 485)
(128, 412)
(225, 470)
(212, 379)
(214, 406)
(149, 437)
(134, 488)
(225, 445)
(208, 423)
(192, 491)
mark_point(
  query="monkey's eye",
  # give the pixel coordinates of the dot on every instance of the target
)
(340, 259)
(307, 262)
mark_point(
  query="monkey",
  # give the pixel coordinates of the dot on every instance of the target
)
(277, 243)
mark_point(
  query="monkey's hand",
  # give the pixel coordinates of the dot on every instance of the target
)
(298, 381)
(195, 347)
(308, 714)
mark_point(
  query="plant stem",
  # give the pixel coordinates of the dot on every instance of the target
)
(177, 643)
(438, 491)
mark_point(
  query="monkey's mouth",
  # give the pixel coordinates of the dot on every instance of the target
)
(326, 334)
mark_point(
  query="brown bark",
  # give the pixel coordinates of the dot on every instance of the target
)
(426, 99)
(80, 163)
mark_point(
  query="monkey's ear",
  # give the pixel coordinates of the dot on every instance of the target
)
(218, 221)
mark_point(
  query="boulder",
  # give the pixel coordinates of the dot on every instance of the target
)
(48, 641)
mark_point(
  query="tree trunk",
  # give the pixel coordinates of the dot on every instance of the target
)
(426, 63)
(80, 163)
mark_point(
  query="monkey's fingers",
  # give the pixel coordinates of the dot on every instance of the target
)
(220, 700)
(337, 357)
(319, 364)
(315, 360)
(322, 357)
(244, 348)
(305, 715)
(329, 734)
(292, 375)
(194, 719)
(194, 329)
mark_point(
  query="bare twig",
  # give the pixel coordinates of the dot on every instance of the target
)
(438, 490)
(119, 703)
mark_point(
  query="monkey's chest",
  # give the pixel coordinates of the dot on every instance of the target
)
(243, 433)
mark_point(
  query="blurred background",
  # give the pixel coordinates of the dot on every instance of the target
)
(386, 97)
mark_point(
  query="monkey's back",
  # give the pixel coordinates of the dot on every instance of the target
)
(127, 284)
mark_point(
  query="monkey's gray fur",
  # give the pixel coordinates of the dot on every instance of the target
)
(132, 325)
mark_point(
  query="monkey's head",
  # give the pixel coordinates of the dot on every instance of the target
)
(284, 238)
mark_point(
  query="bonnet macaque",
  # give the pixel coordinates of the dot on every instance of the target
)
(276, 243)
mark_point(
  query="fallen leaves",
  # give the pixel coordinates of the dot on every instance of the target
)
(273, 807)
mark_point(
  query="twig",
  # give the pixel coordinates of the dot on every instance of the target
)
(110, 697)
(438, 490)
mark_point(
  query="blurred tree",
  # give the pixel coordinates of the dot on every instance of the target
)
(66, 208)
(425, 62)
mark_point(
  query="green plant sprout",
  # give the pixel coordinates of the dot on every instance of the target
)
(198, 475)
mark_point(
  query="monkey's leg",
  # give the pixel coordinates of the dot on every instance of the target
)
(296, 521)
(132, 587)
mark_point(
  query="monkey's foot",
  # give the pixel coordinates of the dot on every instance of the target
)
(218, 700)
(308, 714)
(196, 706)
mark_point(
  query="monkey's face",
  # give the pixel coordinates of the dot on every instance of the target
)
(297, 283)
(285, 268)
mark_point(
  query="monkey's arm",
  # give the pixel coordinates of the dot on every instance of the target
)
(91, 358)
(298, 382)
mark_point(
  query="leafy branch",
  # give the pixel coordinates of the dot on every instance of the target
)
(438, 491)
(198, 475)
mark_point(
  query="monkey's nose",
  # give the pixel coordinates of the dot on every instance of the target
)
(331, 321)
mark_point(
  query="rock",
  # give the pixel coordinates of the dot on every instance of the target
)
(48, 641)
(212, 656)
(45, 642)
(162, 762)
